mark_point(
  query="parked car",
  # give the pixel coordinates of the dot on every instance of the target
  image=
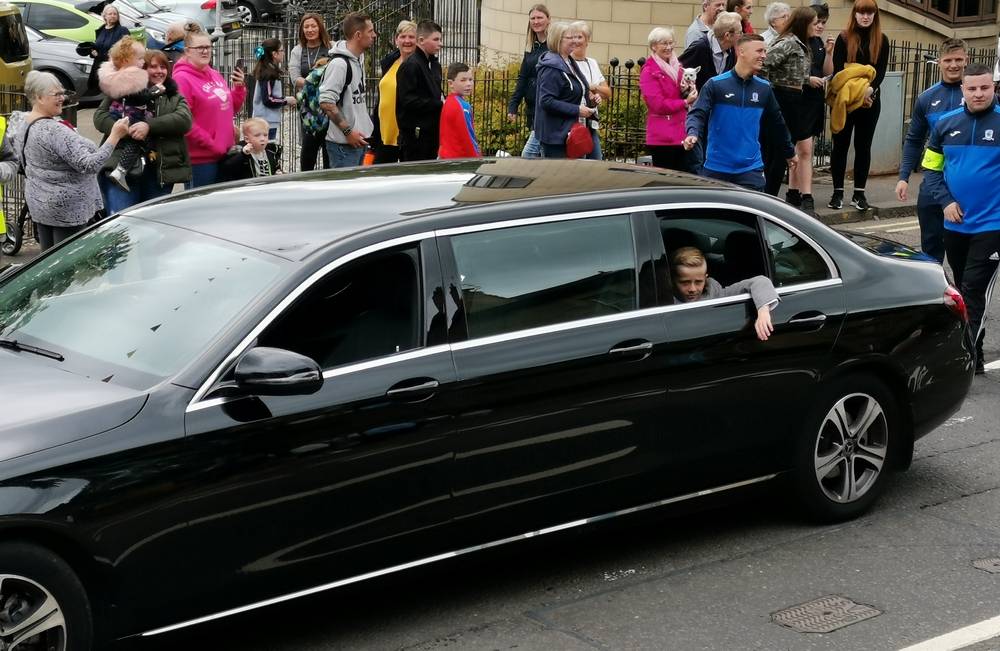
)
(207, 411)
(137, 14)
(60, 57)
(252, 11)
(202, 11)
(62, 19)
(15, 54)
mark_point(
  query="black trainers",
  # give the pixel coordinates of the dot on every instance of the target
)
(980, 366)
(859, 201)
(793, 198)
(836, 200)
(808, 205)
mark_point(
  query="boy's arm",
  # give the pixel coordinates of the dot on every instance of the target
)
(761, 290)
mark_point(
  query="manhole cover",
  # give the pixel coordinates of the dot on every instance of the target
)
(824, 615)
(991, 565)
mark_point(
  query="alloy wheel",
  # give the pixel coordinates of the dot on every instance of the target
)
(30, 617)
(245, 13)
(851, 448)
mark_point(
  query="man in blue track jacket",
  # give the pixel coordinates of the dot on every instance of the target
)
(963, 170)
(934, 102)
(733, 107)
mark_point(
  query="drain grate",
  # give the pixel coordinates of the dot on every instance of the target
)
(824, 615)
(991, 565)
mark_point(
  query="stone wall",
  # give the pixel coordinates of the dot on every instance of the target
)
(620, 27)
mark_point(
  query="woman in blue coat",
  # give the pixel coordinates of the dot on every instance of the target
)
(560, 90)
(106, 35)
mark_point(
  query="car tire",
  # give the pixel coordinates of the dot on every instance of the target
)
(14, 237)
(247, 13)
(844, 453)
(41, 595)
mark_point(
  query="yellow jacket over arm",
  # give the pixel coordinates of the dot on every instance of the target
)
(846, 92)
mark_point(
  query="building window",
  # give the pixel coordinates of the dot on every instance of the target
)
(955, 12)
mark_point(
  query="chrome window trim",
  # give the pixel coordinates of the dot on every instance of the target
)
(285, 302)
(197, 401)
(337, 371)
(459, 552)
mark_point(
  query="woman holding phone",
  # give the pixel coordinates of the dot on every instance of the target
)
(213, 105)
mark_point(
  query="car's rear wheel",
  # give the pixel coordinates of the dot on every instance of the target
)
(246, 12)
(844, 454)
(43, 606)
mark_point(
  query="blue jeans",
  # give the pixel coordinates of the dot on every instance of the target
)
(144, 188)
(596, 154)
(203, 174)
(344, 155)
(752, 180)
(930, 214)
(532, 148)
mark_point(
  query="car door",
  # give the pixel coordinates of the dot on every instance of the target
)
(301, 490)
(733, 400)
(558, 400)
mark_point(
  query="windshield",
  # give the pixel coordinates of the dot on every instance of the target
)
(145, 6)
(132, 301)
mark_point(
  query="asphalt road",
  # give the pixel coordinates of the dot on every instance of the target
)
(709, 580)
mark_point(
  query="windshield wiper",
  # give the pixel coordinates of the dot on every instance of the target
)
(14, 344)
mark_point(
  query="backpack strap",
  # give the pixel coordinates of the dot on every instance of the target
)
(348, 77)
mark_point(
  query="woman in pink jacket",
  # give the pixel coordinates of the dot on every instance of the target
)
(666, 106)
(213, 104)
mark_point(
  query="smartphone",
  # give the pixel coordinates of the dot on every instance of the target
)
(241, 65)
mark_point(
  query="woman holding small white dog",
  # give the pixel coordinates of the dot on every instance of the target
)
(667, 98)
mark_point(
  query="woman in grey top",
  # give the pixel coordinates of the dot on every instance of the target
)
(60, 165)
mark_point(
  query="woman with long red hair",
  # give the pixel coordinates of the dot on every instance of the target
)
(862, 42)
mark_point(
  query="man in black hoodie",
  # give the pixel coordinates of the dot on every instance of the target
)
(418, 96)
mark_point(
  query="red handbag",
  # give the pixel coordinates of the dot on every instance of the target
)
(579, 141)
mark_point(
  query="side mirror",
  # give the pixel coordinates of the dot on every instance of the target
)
(84, 49)
(266, 371)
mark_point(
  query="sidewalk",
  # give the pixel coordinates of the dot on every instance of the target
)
(881, 193)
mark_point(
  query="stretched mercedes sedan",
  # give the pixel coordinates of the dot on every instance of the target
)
(245, 394)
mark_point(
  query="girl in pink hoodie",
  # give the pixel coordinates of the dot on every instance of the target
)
(213, 105)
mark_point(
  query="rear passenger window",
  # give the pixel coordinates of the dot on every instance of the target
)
(44, 17)
(529, 276)
(795, 261)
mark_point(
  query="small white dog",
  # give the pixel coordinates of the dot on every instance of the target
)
(687, 80)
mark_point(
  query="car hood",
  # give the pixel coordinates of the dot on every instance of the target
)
(55, 48)
(44, 406)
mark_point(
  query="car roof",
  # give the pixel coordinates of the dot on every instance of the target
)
(296, 214)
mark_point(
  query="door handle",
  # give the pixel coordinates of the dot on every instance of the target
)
(412, 390)
(801, 319)
(643, 347)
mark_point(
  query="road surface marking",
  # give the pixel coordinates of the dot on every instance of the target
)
(908, 222)
(960, 638)
(994, 365)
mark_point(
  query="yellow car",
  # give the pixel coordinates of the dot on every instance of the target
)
(64, 20)
(15, 57)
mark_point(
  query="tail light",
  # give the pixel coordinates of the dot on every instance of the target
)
(953, 301)
(208, 4)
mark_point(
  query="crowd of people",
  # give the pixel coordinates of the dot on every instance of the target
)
(733, 105)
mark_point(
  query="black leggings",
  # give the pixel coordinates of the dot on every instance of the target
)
(862, 122)
(669, 157)
(312, 144)
(49, 236)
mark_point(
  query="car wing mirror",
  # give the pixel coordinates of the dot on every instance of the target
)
(84, 49)
(264, 371)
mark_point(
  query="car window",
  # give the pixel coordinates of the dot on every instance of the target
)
(529, 276)
(49, 17)
(795, 261)
(13, 46)
(366, 309)
(727, 238)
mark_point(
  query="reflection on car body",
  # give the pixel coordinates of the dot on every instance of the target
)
(424, 360)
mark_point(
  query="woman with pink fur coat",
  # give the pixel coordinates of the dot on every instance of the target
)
(660, 83)
(124, 81)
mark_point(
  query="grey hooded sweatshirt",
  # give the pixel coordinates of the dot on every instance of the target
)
(353, 107)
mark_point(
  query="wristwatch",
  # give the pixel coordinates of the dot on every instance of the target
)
(347, 131)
